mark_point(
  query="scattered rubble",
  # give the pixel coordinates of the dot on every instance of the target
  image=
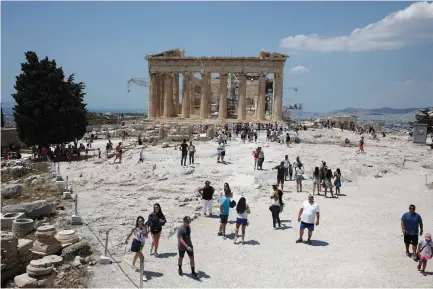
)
(9, 191)
(33, 210)
(45, 243)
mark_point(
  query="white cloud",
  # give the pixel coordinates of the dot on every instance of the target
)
(410, 26)
(299, 69)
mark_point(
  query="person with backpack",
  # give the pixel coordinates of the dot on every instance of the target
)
(154, 225)
(280, 175)
(425, 252)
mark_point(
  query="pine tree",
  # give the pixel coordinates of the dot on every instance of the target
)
(423, 117)
(49, 109)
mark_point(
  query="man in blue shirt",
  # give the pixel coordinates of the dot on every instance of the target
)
(409, 226)
(224, 213)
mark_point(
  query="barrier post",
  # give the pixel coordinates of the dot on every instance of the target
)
(106, 243)
(58, 168)
(141, 272)
(76, 205)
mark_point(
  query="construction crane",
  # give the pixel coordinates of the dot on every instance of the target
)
(139, 81)
(297, 106)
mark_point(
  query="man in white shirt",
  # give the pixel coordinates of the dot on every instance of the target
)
(308, 213)
(221, 152)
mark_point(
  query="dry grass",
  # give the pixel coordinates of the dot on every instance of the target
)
(71, 277)
(43, 190)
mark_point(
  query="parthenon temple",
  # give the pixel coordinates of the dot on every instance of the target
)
(241, 90)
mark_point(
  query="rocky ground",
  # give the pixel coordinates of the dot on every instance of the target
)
(358, 242)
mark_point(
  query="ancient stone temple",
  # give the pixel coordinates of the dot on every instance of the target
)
(200, 95)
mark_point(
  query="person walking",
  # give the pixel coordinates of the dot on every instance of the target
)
(308, 212)
(256, 157)
(280, 175)
(141, 156)
(409, 227)
(185, 246)
(221, 152)
(299, 171)
(140, 233)
(316, 181)
(276, 206)
(242, 210)
(286, 166)
(261, 159)
(191, 150)
(328, 182)
(154, 225)
(224, 213)
(425, 252)
(337, 181)
(207, 194)
(184, 150)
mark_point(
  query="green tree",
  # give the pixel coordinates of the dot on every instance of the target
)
(49, 108)
(3, 119)
(423, 116)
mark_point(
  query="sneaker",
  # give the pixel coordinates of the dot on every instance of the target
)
(299, 241)
(180, 271)
(194, 275)
(408, 254)
(273, 228)
(224, 236)
(220, 233)
(155, 254)
(418, 267)
(309, 242)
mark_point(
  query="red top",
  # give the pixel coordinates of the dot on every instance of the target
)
(256, 154)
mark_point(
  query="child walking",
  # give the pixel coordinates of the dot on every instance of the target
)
(425, 252)
(140, 233)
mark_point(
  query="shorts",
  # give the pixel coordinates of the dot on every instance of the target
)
(224, 219)
(136, 246)
(223, 153)
(315, 181)
(241, 221)
(182, 253)
(308, 226)
(424, 257)
(280, 180)
(411, 239)
(361, 147)
(286, 171)
(156, 231)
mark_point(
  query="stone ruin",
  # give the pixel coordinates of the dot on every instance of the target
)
(46, 243)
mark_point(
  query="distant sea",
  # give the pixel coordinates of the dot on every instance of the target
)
(7, 109)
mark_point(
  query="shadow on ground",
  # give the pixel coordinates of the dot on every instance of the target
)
(166, 255)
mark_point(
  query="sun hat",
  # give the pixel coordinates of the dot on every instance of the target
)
(427, 236)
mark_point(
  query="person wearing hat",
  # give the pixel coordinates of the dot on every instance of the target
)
(409, 226)
(185, 246)
(425, 252)
(207, 194)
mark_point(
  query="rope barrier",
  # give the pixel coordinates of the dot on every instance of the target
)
(99, 240)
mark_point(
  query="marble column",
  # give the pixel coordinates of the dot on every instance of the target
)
(278, 97)
(260, 113)
(168, 95)
(204, 103)
(191, 82)
(185, 96)
(149, 101)
(223, 96)
(176, 105)
(162, 94)
(153, 95)
(157, 99)
(242, 104)
(209, 89)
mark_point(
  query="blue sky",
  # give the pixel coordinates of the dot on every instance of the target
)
(388, 63)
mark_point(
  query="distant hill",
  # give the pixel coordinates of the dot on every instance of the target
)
(377, 111)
